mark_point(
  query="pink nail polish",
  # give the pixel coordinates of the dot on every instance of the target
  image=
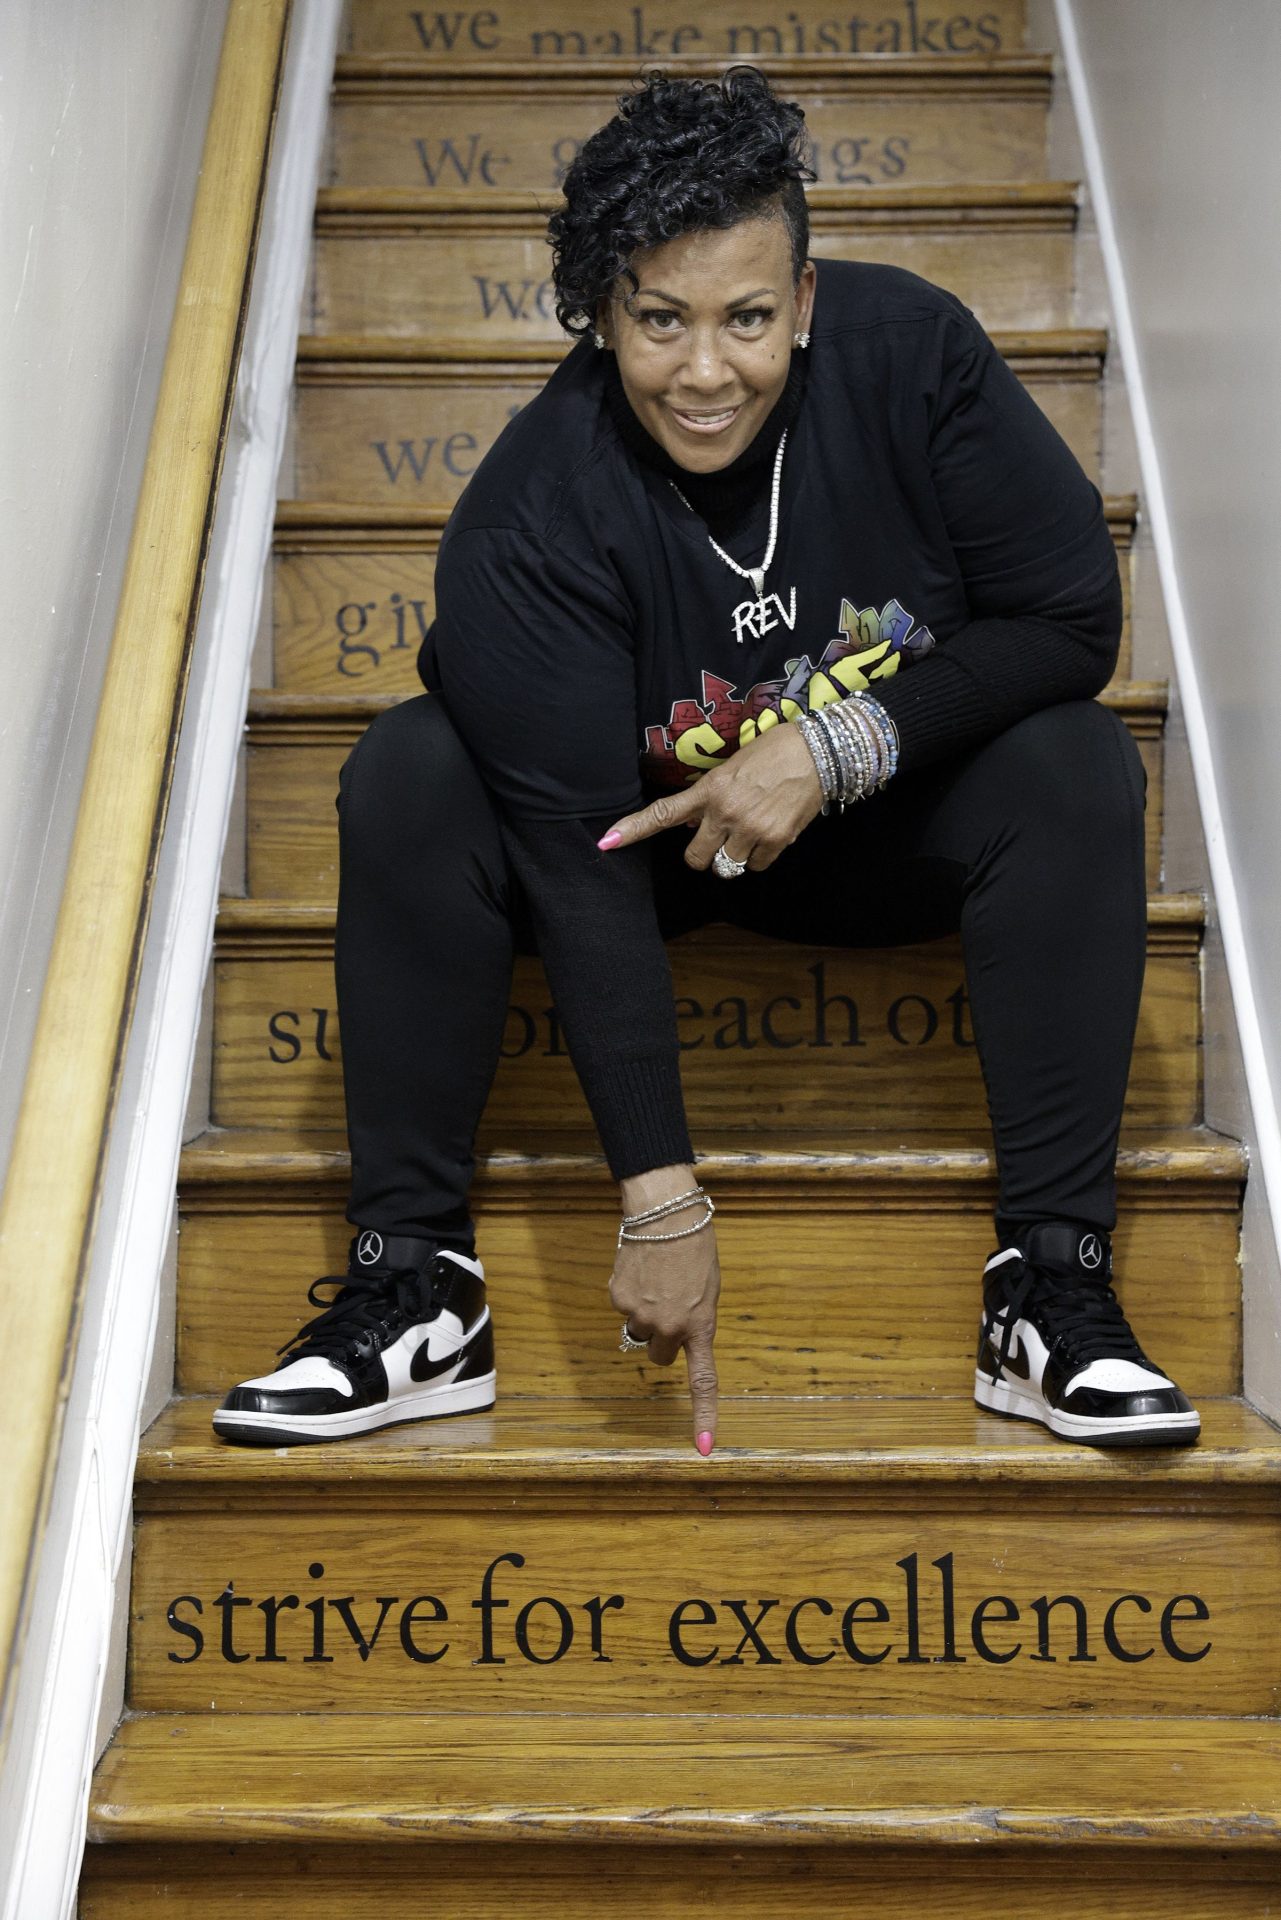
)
(704, 1444)
(610, 840)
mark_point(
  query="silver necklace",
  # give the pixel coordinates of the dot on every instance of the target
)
(755, 574)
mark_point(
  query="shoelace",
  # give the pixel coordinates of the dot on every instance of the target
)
(1083, 1317)
(365, 1303)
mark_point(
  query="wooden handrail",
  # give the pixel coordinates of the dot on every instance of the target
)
(52, 1194)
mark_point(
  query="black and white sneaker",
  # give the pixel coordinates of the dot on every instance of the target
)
(1054, 1346)
(407, 1337)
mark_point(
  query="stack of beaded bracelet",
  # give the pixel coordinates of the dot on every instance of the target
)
(667, 1206)
(855, 747)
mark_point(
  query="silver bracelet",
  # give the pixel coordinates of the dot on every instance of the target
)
(696, 1228)
(666, 1206)
(864, 741)
(854, 745)
(823, 756)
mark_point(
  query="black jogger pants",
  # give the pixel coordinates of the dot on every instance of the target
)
(1032, 845)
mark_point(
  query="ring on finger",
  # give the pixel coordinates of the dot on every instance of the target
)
(725, 865)
(628, 1343)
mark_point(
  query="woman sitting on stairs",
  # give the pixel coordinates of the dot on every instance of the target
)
(761, 489)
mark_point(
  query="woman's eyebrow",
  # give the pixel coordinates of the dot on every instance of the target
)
(656, 293)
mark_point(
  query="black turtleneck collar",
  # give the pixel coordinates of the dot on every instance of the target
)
(725, 497)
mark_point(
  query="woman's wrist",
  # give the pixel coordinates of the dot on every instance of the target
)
(641, 1190)
(646, 1216)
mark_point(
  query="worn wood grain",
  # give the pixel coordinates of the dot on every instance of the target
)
(658, 1882)
(1036, 1782)
(817, 1452)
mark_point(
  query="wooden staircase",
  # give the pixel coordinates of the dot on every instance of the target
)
(881, 1650)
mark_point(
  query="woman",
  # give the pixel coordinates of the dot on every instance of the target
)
(777, 536)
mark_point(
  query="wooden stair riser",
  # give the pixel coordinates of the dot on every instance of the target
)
(898, 124)
(352, 600)
(663, 29)
(293, 767)
(789, 1034)
(929, 1637)
(426, 273)
(652, 1882)
(417, 434)
(866, 1287)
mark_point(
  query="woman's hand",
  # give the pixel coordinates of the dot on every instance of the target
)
(754, 805)
(667, 1291)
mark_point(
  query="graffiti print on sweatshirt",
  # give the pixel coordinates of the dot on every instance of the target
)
(700, 733)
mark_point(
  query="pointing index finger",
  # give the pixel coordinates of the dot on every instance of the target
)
(702, 1386)
(667, 811)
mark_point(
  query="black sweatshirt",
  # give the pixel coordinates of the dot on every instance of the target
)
(938, 543)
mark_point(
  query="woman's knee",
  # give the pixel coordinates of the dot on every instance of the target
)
(1075, 763)
(410, 768)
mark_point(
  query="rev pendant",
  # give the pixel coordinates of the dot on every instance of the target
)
(755, 574)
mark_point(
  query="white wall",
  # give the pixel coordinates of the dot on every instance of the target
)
(1178, 105)
(103, 106)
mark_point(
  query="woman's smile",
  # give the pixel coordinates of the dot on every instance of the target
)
(703, 421)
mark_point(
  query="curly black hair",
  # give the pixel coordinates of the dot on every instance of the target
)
(680, 155)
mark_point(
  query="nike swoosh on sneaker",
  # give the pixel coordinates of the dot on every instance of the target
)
(423, 1367)
(1017, 1361)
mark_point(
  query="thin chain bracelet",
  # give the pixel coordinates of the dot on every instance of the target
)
(681, 1235)
(666, 1206)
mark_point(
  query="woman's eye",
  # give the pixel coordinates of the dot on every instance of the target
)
(755, 318)
(656, 316)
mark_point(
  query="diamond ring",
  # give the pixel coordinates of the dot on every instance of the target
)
(627, 1344)
(726, 866)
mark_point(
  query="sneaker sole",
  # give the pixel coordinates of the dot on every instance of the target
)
(1143, 1430)
(270, 1429)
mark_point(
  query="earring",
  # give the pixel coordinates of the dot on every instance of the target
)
(800, 339)
(599, 338)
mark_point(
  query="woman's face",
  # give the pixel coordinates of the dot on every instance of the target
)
(704, 346)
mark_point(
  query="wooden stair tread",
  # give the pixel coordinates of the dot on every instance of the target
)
(340, 209)
(759, 1779)
(272, 706)
(830, 1445)
(384, 73)
(1079, 344)
(295, 518)
(304, 1153)
(238, 915)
